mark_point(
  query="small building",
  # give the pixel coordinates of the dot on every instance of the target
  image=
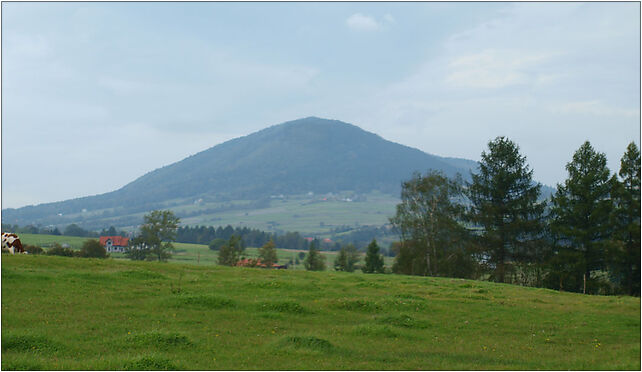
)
(114, 243)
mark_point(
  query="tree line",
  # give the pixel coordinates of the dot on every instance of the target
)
(585, 238)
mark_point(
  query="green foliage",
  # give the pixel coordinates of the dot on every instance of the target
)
(314, 261)
(433, 242)
(57, 250)
(374, 261)
(267, 254)
(75, 230)
(216, 244)
(347, 258)
(581, 212)
(230, 252)
(156, 236)
(504, 202)
(33, 249)
(93, 248)
(624, 263)
(150, 363)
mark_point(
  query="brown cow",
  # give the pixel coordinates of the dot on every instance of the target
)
(11, 243)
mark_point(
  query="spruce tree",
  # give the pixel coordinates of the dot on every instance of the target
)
(346, 259)
(504, 202)
(314, 261)
(626, 197)
(374, 261)
(581, 210)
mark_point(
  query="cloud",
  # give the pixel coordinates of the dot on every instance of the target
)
(594, 107)
(360, 22)
(495, 68)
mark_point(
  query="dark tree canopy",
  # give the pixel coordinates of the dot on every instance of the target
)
(346, 259)
(314, 261)
(581, 211)
(504, 202)
(625, 255)
(374, 261)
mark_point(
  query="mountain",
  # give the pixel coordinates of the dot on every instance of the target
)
(307, 155)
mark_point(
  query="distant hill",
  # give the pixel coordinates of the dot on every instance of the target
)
(300, 156)
(306, 155)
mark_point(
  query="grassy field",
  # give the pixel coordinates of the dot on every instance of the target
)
(72, 313)
(197, 254)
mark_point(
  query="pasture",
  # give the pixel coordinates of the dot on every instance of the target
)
(197, 254)
(71, 313)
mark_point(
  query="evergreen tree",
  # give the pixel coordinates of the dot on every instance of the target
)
(581, 211)
(346, 259)
(374, 261)
(230, 252)
(626, 196)
(314, 261)
(504, 203)
(267, 254)
(428, 216)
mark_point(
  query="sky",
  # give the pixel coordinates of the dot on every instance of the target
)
(95, 95)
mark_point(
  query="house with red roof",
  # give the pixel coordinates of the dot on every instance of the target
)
(114, 243)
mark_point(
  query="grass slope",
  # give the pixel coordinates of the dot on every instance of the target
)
(69, 313)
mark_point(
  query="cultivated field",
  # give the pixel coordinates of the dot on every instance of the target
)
(72, 313)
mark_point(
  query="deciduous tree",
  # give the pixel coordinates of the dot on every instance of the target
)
(427, 220)
(230, 252)
(267, 254)
(156, 236)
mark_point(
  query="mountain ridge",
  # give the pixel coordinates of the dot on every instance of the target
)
(298, 156)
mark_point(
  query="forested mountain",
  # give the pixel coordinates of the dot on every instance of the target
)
(295, 157)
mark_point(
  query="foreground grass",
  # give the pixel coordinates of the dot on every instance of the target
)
(69, 313)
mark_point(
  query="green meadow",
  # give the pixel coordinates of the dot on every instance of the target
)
(72, 313)
(197, 254)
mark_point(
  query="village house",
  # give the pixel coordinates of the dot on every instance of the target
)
(114, 243)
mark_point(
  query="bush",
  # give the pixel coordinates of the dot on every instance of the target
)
(33, 249)
(57, 250)
(92, 248)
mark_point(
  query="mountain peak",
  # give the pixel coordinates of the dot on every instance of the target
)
(295, 157)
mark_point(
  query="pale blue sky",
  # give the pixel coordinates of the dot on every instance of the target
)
(95, 95)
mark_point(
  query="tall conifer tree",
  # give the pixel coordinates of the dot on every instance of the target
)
(504, 203)
(626, 197)
(581, 211)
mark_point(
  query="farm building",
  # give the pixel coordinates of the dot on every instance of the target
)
(114, 243)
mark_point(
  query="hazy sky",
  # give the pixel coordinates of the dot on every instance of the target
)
(95, 95)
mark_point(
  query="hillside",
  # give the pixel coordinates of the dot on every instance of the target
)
(74, 314)
(294, 158)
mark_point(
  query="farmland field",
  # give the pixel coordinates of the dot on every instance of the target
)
(72, 313)
(198, 254)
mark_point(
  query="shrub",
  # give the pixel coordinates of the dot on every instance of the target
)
(33, 249)
(57, 250)
(93, 248)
